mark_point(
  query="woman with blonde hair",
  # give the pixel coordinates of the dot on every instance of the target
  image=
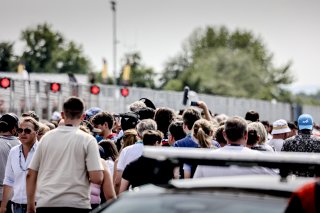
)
(202, 132)
(130, 137)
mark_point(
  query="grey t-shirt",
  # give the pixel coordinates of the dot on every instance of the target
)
(6, 143)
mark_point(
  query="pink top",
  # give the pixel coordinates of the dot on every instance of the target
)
(95, 190)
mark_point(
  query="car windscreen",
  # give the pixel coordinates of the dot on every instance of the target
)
(199, 203)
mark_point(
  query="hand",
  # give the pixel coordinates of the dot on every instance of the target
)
(31, 209)
(202, 105)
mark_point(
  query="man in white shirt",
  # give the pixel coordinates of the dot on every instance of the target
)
(280, 132)
(17, 165)
(236, 135)
(66, 161)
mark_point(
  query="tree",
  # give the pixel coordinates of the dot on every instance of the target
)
(141, 76)
(7, 57)
(48, 51)
(216, 61)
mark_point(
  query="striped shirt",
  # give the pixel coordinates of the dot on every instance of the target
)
(6, 143)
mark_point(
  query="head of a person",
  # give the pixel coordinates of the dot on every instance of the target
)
(28, 130)
(294, 129)
(9, 123)
(130, 137)
(103, 121)
(189, 117)
(261, 131)
(267, 126)
(163, 117)
(129, 120)
(89, 113)
(252, 116)
(110, 149)
(32, 114)
(146, 124)
(152, 138)
(218, 136)
(43, 129)
(254, 131)
(202, 131)
(145, 113)
(136, 106)
(73, 109)
(175, 131)
(236, 130)
(305, 123)
(220, 118)
(280, 129)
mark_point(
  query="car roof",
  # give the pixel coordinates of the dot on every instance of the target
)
(284, 161)
(257, 182)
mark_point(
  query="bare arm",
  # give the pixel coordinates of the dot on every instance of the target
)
(96, 177)
(31, 183)
(124, 185)
(7, 191)
(107, 185)
(117, 182)
(205, 109)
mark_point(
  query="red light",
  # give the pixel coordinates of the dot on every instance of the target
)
(5, 83)
(55, 87)
(124, 92)
(95, 90)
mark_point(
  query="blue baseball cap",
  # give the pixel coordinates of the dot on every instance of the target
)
(91, 112)
(305, 121)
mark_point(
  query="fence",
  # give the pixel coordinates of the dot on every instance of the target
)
(35, 95)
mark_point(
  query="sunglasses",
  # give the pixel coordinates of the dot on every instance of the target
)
(26, 130)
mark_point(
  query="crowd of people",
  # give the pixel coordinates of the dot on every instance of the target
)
(84, 157)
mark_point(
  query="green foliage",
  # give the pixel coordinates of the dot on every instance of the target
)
(48, 51)
(216, 61)
(7, 57)
(141, 76)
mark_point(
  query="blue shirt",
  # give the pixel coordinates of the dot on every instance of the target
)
(186, 142)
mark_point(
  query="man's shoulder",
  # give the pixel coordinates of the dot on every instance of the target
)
(185, 142)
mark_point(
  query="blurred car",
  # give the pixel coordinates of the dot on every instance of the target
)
(245, 193)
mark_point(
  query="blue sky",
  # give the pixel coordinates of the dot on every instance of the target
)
(157, 29)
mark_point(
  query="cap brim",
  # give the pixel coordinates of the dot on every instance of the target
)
(305, 127)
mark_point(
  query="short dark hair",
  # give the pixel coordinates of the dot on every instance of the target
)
(190, 116)
(145, 113)
(235, 128)
(252, 116)
(151, 137)
(219, 136)
(176, 130)
(163, 117)
(73, 108)
(103, 117)
(32, 114)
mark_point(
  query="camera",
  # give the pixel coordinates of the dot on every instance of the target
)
(194, 103)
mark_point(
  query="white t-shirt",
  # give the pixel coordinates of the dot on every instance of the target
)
(110, 166)
(129, 154)
(277, 144)
(63, 158)
(212, 171)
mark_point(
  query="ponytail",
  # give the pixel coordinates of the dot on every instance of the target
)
(203, 138)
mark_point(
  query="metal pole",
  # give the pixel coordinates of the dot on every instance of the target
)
(114, 9)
